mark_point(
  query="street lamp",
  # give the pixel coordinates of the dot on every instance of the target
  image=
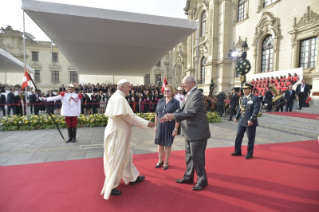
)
(243, 65)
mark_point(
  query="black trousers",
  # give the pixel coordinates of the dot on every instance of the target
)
(31, 107)
(220, 109)
(36, 109)
(3, 110)
(289, 106)
(302, 100)
(232, 112)
(269, 107)
(195, 158)
(13, 107)
(251, 133)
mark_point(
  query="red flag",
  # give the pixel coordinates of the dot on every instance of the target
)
(25, 79)
(164, 84)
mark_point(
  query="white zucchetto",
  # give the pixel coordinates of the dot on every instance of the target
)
(122, 81)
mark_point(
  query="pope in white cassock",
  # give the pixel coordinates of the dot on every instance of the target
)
(117, 153)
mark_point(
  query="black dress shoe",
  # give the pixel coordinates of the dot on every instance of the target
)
(115, 192)
(159, 164)
(236, 154)
(249, 157)
(198, 187)
(138, 179)
(165, 166)
(229, 120)
(183, 180)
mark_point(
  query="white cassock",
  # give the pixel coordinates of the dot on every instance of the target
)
(117, 152)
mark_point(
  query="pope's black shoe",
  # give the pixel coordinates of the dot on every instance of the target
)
(139, 179)
(183, 180)
(236, 154)
(249, 157)
(198, 187)
(115, 192)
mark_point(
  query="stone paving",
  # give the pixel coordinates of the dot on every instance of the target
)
(39, 146)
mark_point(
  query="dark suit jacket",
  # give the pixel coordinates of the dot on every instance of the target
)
(62, 88)
(193, 117)
(32, 98)
(307, 89)
(221, 98)
(248, 110)
(234, 100)
(289, 98)
(11, 98)
(2, 99)
(268, 97)
(48, 95)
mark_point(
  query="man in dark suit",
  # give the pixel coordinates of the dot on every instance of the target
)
(268, 99)
(195, 130)
(247, 112)
(233, 104)
(62, 88)
(50, 104)
(220, 103)
(303, 91)
(95, 101)
(31, 98)
(2, 102)
(37, 103)
(10, 101)
(290, 96)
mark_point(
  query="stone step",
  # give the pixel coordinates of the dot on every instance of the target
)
(293, 130)
(280, 121)
(290, 127)
(290, 118)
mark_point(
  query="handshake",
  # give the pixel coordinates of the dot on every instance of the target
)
(151, 124)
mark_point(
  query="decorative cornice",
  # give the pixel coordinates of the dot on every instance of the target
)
(308, 18)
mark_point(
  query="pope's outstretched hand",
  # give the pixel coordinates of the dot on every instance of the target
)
(151, 124)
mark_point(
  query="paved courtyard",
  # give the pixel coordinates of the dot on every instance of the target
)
(40, 146)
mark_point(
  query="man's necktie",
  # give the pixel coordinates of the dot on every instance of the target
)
(37, 97)
(290, 92)
(186, 97)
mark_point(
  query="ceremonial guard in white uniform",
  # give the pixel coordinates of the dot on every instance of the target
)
(179, 96)
(71, 109)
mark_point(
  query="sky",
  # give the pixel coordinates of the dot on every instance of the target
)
(12, 14)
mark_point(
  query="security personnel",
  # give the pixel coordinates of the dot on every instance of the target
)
(247, 112)
(71, 109)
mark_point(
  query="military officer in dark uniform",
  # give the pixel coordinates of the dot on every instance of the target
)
(248, 110)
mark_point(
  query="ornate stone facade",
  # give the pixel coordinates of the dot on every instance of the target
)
(288, 22)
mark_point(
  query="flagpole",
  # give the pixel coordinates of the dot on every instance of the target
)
(24, 56)
(49, 112)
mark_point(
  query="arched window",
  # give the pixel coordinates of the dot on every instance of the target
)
(202, 70)
(267, 54)
(242, 10)
(203, 25)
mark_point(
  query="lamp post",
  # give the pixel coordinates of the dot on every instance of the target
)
(243, 65)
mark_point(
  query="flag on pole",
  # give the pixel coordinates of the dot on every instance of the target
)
(25, 79)
(164, 84)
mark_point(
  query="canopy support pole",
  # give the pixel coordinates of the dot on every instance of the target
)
(197, 59)
(5, 69)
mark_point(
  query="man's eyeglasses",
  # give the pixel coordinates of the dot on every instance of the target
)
(183, 84)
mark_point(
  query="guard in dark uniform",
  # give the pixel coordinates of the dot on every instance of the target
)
(247, 112)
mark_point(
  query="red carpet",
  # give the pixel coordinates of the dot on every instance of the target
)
(296, 114)
(281, 177)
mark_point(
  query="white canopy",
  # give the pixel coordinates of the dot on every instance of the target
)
(108, 42)
(11, 64)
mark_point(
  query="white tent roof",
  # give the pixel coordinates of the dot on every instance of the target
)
(11, 64)
(108, 42)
